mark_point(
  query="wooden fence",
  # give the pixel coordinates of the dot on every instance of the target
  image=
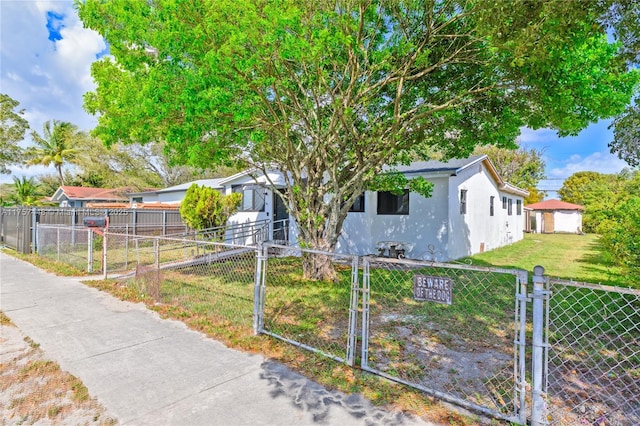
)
(18, 224)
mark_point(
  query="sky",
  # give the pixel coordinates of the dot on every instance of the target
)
(45, 60)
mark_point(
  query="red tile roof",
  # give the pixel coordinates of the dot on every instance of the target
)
(83, 193)
(554, 205)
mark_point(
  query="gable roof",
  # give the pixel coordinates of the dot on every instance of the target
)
(554, 205)
(456, 166)
(452, 166)
(211, 183)
(85, 193)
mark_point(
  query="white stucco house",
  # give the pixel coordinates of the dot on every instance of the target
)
(471, 210)
(555, 216)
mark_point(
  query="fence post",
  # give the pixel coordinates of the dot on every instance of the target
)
(538, 403)
(257, 286)
(58, 243)
(520, 367)
(89, 251)
(164, 222)
(34, 223)
(156, 249)
(104, 254)
(353, 311)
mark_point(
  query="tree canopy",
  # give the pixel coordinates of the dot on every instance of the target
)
(13, 127)
(329, 92)
(600, 194)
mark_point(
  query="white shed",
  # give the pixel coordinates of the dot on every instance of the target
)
(555, 216)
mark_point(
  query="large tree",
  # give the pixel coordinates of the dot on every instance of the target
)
(13, 127)
(329, 92)
(623, 18)
(600, 194)
(626, 132)
(57, 146)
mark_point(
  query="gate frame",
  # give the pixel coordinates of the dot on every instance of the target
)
(519, 358)
(261, 291)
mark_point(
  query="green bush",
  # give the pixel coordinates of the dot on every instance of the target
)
(621, 235)
(204, 207)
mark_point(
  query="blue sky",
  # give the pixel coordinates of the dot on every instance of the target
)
(45, 62)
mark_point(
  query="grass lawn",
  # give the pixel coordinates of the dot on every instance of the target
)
(566, 256)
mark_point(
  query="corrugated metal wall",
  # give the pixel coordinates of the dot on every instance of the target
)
(16, 223)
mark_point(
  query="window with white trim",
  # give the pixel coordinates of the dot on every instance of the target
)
(252, 197)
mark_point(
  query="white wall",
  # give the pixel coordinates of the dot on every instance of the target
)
(567, 221)
(478, 231)
(435, 227)
(425, 225)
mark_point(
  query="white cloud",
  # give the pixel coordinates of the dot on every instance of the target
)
(528, 136)
(47, 78)
(76, 52)
(601, 162)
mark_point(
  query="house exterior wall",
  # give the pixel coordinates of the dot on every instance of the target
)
(245, 217)
(478, 231)
(165, 197)
(426, 224)
(569, 221)
(435, 228)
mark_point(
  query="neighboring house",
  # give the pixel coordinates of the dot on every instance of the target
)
(471, 210)
(173, 194)
(554, 216)
(79, 196)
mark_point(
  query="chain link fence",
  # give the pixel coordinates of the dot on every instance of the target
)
(458, 332)
(211, 281)
(76, 246)
(448, 330)
(593, 364)
(314, 314)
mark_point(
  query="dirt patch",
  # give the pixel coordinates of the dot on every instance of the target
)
(424, 354)
(35, 390)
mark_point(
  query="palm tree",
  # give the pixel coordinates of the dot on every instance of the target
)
(25, 191)
(57, 146)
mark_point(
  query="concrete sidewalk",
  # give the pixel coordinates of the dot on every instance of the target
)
(149, 371)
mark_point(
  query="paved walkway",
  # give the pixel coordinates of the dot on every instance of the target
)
(149, 371)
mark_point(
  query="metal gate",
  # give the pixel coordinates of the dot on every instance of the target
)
(456, 332)
(316, 315)
(592, 334)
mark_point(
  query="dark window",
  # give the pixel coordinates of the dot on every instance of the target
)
(519, 207)
(463, 201)
(510, 207)
(492, 200)
(504, 203)
(389, 203)
(252, 198)
(358, 204)
(136, 199)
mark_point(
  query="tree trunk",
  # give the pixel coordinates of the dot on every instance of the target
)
(322, 237)
(318, 267)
